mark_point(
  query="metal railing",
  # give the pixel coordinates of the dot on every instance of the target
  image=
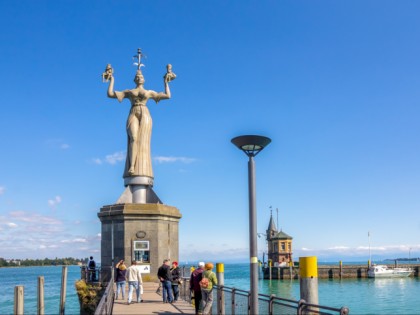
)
(98, 275)
(90, 275)
(107, 301)
(184, 290)
(101, 277)
(233, 301)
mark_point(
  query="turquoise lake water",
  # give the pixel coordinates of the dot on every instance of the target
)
(362, 296)
(28, 277)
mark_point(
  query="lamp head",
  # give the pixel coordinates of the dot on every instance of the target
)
(251, 144)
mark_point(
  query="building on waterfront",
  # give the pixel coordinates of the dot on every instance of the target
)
(279, 245)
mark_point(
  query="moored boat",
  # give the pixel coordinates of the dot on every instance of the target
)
(383, 271)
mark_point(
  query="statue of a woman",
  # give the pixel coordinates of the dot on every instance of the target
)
(139, 122)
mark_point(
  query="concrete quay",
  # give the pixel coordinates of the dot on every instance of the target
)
(152, 303)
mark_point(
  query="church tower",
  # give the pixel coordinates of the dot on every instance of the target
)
(271, 230)
(279, 245)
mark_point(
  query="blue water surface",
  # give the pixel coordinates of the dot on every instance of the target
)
(28, 277)
(362, 296)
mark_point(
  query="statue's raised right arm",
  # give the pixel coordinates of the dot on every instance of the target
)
(111, 92)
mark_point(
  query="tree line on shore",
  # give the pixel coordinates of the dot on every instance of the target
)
(42, 262)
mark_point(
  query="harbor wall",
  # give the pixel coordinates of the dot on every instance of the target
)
(329, 272)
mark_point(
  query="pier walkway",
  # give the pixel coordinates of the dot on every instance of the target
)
(152, 303)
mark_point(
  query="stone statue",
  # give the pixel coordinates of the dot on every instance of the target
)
(138, 166)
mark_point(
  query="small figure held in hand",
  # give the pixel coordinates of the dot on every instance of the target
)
(106, 76)
(169, 76)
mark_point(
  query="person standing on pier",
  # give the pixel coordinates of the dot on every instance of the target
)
(92, 269)
(164, 275)
(176, 278)
(134, 281)
(207, 291)
(195, 287)
(120, 274)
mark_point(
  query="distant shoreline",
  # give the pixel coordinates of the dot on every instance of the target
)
(403, 259)
(38, 266)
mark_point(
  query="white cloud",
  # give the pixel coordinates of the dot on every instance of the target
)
(111, 158)
(2, 189)
(173, 159)
(76, 240)
(97, 161)
(54, 202)
(34, 218)
(45, 236)
(339, 248)
(116, 157)
(57, 143)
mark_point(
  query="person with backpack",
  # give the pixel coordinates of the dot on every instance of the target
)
(207, 282)
(195, 287)
(92, 269)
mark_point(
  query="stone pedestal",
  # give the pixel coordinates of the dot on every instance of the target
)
(128, 227)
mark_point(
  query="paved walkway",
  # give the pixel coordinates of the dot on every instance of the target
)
(152, 303)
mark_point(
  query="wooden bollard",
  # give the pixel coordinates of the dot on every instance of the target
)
(341, 269)
(220, 273)
(18, 307)
(309, 281)
(63, 290)
(269, 268)
(40, 297)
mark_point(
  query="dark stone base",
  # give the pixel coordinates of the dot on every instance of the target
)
(124, 223)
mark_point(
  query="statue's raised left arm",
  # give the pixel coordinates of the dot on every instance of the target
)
(169, 76)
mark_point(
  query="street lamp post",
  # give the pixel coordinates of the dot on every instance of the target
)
(251, 146)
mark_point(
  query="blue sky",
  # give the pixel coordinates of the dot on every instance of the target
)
(334, 84)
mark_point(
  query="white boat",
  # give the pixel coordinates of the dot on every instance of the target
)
(382, 271)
